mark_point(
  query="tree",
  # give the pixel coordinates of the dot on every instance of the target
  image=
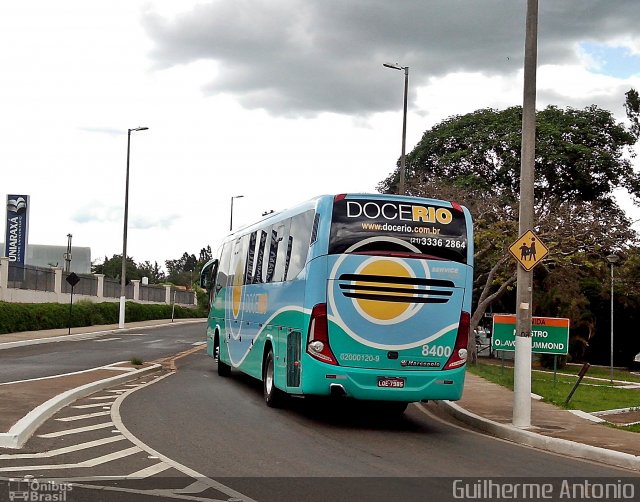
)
(185, 270)
(152, 271)
(112, 268)
(579, 154)
(475, 160)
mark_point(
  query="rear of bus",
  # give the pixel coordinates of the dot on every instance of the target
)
(390, 319)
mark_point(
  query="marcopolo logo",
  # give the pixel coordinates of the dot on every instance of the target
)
(393, 211)
(17, 205)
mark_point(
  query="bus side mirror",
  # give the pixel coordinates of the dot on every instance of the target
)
(207, 275)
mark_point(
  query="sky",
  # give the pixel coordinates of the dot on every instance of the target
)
(274, 100)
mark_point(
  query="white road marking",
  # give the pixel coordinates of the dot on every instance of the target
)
(211, 483)
(149, 471)
(77, 430)
(196, 487)
(85, 406)
(66, 449)
(102, 398)
(108, 339)
(92, 462)
(82, 417)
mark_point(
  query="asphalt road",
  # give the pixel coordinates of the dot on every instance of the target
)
(320, 450)
(34, 361)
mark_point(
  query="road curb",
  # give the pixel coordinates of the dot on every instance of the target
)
(529, 438)
(27, 425)
(90, 334)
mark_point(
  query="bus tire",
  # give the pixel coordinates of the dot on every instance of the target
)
(224, 370)
(273, 396)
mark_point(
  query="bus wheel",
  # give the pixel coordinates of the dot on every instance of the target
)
(224, 370)
(272, 395)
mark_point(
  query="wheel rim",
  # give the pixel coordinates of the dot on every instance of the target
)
(268, 379)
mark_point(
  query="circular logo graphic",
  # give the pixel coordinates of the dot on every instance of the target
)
(236, 289)
(379, 301)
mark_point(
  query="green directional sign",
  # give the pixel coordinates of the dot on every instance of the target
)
(550, 335)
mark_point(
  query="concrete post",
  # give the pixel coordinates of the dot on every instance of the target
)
(136, 289)
(167, 294)
(4, 277)
(100, 291)
(524, 290)
(57, 283)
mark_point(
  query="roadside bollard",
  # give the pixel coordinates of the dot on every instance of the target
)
(583, 372)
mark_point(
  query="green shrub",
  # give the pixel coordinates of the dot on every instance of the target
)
(16, 317)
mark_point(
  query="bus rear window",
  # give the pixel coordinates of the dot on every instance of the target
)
(398, 228)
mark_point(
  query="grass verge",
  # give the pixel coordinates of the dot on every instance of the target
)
(591, 395)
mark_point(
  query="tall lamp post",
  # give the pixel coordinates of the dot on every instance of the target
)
(231, 220)
(123, 274)
(396, 66)
(612, 259)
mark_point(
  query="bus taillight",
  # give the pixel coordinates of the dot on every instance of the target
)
(459, 356)
(318, 337)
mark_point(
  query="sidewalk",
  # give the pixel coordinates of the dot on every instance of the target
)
(489, 407)
(27, 404)
(484, 406)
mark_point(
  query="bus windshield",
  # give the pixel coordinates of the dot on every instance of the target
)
(397, 228)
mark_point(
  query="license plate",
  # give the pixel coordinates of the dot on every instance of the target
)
(391, 382)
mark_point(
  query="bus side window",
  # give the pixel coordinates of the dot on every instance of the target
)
(223, 267)
(282, 235)
(298, 243)
(272, 254)
(259, 257)
(248, 273)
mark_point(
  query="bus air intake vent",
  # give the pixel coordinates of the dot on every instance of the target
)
(385, 288)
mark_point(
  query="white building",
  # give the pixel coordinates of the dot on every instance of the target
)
(41, 255)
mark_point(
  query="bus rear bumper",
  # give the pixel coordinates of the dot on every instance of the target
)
(359, 383)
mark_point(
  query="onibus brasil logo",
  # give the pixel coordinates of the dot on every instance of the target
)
(38, 490)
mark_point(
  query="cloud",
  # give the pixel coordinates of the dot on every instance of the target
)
(99, 213)
(306, 57)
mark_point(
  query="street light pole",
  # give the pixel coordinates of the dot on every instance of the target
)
(612, 259)
(123, 273)
(231, 219)
(401, 184)
(524, 289)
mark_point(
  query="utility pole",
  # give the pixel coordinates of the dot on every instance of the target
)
(524, 296)
(67, 255)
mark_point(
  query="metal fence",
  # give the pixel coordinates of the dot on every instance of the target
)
(182, 297)
(112, 289)
(153, 293)
(30, 277)
(88, 285)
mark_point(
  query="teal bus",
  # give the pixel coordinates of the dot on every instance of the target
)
(365, 296)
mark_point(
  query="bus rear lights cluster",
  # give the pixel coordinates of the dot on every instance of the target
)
(318, 337)
(459, 356)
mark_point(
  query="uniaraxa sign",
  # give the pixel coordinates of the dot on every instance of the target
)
(16, 236)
